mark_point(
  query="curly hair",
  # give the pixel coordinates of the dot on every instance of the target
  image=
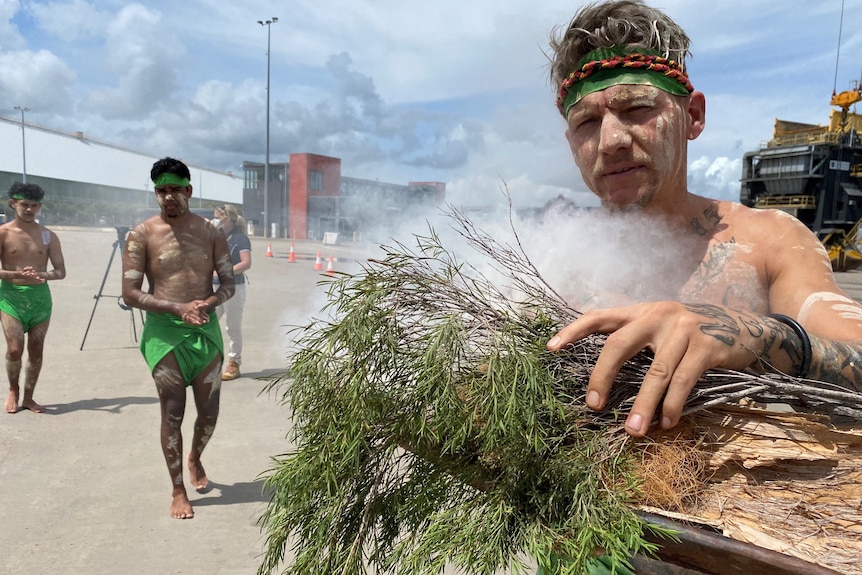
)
(30, 192)
(169, 166)
(629, 23)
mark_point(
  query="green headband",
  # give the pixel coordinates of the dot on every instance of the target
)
(606, 67)
(19, 197)
(168, 178)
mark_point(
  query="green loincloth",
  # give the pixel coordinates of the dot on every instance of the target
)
(194, 347)
(30, 304)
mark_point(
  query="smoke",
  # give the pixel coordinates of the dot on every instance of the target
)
(595, 259)
(591, 258)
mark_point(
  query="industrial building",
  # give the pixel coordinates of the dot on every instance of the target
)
(308, 197)
(89, 182)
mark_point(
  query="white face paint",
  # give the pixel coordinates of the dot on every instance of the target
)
(172, 200)
(629, 143)
(847, 308)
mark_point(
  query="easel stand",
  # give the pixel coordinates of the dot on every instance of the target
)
(121, 245)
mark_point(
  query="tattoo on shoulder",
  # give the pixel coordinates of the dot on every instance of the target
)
(711, 217)
(711, 214)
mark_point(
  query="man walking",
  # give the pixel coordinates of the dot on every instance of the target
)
(178, 252)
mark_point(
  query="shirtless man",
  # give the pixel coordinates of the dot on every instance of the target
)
(758, 289)
(178, 252)
(25, 299)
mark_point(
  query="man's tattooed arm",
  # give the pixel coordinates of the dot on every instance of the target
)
(778, 347)
(836, 362)
(717, 323)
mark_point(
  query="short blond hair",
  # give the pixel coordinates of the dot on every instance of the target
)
(229, 212)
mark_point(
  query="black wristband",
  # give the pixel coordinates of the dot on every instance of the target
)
(803, 336)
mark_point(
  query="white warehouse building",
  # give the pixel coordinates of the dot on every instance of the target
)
(77, 171)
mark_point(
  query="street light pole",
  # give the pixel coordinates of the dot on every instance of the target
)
(23, 109)
(268, 24)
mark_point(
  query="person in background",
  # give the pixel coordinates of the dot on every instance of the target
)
(26, 247)
(230, 312)
(178, 252)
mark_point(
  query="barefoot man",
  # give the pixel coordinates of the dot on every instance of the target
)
(25, 300)
(178, 251)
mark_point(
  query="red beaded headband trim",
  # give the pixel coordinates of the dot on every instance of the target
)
(664, 67)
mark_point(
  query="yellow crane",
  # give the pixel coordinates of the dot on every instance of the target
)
(844, 248)
(844, 100)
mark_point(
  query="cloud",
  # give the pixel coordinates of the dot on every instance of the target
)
(69, 21)
(424, 52)
(353, 121)
(453, 91)
(144, 56)
(38, 80)
(10, 38)
(716, 178)
(480, 189)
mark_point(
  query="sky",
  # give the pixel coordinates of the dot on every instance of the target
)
(454, 91)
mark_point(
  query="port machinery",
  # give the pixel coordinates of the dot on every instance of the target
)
(814, 172)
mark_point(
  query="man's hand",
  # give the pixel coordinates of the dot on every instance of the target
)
(195, 312)
(27, 272)
(686, 340)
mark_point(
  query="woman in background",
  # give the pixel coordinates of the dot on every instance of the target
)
(230, 312)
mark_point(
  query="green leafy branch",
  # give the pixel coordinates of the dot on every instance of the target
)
(431, 426)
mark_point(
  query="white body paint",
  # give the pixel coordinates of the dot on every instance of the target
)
(846, 307)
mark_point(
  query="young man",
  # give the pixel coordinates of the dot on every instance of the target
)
(178, 252)
(25, 299)
(759, 290)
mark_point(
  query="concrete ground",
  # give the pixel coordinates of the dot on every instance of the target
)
(84, 487)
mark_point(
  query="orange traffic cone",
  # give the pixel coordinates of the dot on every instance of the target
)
(292, 257)
(269, 250)
(330, 268)
(318, 264)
